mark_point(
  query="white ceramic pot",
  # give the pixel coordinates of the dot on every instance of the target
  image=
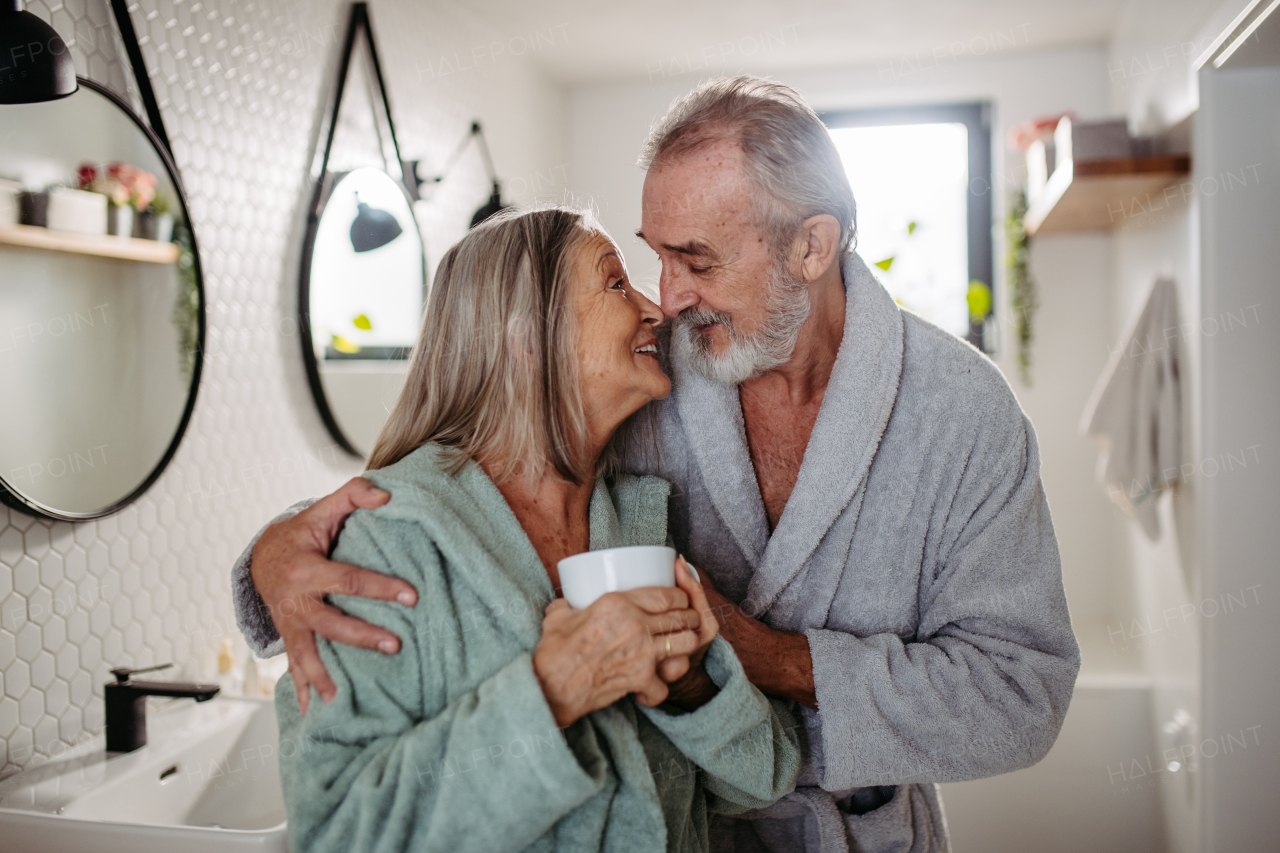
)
(153, 226)
(120, 220)
(585, 577)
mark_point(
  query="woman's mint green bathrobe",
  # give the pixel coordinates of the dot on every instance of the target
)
(450, 745)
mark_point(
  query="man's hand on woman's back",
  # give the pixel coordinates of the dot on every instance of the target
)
(292, 572)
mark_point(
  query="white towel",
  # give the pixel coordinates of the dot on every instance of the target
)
(1135, 412)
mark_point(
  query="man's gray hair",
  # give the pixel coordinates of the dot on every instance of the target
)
(789, 153)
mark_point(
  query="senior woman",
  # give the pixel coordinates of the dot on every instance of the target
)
(510, 721)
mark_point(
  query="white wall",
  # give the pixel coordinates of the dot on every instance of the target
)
(1238, 124)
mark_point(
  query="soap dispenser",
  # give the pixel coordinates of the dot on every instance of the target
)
(228, 680)
(252, 683)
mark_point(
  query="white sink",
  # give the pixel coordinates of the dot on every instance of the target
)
(208, 780)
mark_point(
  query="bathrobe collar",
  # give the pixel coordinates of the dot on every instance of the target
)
(855, 411)
(472, 525)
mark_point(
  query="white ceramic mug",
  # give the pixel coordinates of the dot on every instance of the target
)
(587, 576)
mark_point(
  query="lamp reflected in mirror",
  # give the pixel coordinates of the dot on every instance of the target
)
(373, 228)
(364, 298)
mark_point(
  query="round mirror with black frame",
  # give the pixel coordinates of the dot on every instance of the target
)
(363, 277)
(102, 315)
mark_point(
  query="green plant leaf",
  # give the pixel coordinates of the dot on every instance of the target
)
(979, 299)
(911, 227)
(886, 263)
(1023, 299)
(362, 322)
(343, 345)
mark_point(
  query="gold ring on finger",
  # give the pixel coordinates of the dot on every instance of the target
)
(668, 646)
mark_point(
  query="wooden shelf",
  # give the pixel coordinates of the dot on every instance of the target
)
(1098, 195)
(102, 245)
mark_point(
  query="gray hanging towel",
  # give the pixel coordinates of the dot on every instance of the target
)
(1135, 412)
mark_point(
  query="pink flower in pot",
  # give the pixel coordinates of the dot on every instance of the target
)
(139, 184)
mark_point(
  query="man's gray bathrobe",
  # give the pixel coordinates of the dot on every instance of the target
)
(450, 744)
(916, 554)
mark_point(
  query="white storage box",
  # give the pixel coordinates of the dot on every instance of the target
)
(78, 211)
(9, 203)
(1095, 140)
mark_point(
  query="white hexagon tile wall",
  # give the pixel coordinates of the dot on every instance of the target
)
(241, 87)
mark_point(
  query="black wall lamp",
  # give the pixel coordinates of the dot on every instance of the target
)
(494, 205)
(35, 63)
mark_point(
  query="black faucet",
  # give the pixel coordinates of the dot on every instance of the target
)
(126, 702)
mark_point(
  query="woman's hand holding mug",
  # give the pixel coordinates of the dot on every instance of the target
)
(689, 685)
(625, 642)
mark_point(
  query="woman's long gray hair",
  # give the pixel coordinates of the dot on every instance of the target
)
(494, 371)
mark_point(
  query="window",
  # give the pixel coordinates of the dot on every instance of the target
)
(921, 177)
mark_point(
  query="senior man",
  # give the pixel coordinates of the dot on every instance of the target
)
(860, 488)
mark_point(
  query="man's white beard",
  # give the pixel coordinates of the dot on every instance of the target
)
(747, 356)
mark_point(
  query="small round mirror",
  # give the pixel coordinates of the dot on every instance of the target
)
(101, 306)
(363, 286)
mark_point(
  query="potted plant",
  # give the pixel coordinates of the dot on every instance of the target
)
(156, 222)
(119, 213)
(127, 188)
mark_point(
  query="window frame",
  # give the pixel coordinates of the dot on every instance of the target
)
(976, 117)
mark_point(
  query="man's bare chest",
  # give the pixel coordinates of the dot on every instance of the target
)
(777, 440)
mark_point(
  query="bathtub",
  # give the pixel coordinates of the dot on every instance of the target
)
(1107, 785)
